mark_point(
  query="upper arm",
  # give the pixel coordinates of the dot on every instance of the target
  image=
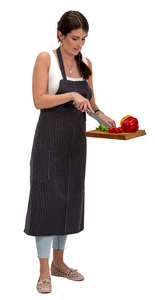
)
(90, 81)
(40, 76)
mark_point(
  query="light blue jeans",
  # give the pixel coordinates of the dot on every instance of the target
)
(43, 244)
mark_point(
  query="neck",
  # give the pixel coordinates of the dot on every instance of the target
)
(68, 57)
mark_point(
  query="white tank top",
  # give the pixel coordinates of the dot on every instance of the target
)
(54, 75)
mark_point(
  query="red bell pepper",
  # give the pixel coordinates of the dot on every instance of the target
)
(115, 129)
(120, 129)
(130, 124)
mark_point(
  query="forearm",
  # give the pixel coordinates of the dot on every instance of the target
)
(95, 107)
(48, 100)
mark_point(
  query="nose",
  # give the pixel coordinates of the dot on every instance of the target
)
(80, 44)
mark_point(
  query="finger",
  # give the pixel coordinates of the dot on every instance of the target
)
(81, 106)
(89, 106)
(84, 107)
(78, 106)
(112, 123)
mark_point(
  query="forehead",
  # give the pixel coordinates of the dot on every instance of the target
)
(78, 32)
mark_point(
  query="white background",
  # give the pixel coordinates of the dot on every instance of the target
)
(116, 250)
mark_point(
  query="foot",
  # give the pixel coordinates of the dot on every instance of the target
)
(63, 266)
(44, 276)
(65, 271)
(44, 285)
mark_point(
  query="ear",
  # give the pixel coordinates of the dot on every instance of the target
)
(60, 35)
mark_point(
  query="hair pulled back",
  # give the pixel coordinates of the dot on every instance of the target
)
(69, 21)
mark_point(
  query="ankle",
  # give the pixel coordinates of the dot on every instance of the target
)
(44, 271)
(44, 274)
(58, 263)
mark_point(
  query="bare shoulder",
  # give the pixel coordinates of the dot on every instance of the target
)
(43, 55)
(89, 62)
(88, 59)
(90, 76)
(43, 59)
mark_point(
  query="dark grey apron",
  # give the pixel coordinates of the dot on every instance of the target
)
(57, 166)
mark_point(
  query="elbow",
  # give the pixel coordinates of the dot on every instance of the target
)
(39, 101)
(37, 106)
(36, 102)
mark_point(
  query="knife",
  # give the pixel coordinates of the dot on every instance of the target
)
(96, 117)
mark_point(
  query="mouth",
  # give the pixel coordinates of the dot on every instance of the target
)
(76, 49)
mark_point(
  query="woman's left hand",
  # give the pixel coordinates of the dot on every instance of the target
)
(107, 119)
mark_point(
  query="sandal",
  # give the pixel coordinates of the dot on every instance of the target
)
(72, 274)
(44, 285)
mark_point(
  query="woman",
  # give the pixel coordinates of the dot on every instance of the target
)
(63, 91)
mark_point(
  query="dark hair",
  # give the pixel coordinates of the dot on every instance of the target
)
(69, 21)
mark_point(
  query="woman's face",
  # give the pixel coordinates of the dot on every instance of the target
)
(74, 41)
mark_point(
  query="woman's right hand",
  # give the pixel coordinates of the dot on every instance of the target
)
(82, 103)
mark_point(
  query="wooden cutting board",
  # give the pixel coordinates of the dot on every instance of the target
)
(119, 136)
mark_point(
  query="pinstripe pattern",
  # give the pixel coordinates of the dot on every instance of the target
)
(57, 167)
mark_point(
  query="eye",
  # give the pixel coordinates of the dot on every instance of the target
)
(77, 39)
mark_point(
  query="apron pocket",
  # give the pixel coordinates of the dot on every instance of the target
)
(39, 165)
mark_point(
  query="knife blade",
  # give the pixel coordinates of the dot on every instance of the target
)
(96, 117)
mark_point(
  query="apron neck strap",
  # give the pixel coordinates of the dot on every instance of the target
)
(61, 63)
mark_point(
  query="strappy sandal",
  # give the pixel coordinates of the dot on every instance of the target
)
(44, 285)
(71, 274)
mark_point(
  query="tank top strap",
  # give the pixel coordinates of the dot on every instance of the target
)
(61, 63)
